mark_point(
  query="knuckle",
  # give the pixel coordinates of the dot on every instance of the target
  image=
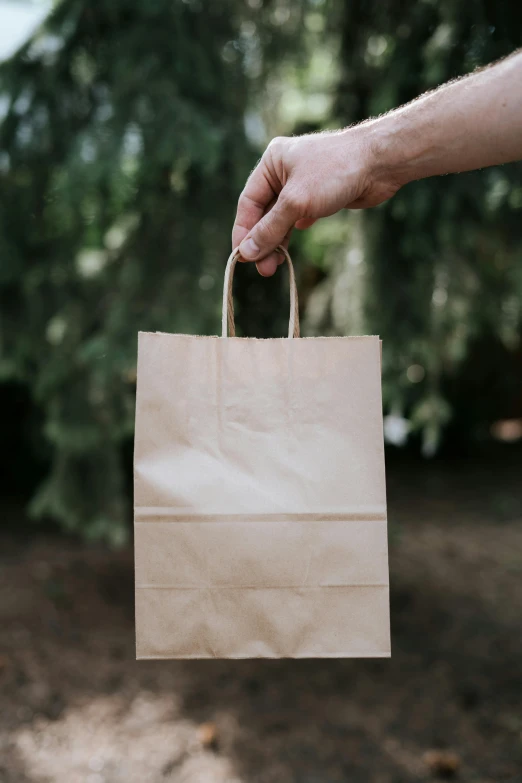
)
(294, 200)
(266, 233)
(277, 145)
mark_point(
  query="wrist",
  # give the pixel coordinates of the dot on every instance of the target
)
(399, 152)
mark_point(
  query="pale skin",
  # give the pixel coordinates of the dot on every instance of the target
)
(467, 124)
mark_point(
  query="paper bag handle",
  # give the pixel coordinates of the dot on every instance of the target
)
(228, 326)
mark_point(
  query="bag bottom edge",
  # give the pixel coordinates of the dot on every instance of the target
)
(259, 657)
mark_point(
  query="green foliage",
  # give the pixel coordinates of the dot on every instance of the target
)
(128, 131)
(124, 152)
(444, 256)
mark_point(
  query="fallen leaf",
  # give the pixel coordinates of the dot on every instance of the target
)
(208, 735)
(444, 763)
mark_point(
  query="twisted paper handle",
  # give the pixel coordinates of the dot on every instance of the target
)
(228, 326)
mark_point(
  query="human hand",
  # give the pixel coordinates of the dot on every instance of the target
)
(463, 125)
(301, 179)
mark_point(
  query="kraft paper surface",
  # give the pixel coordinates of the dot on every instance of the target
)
(260, 502)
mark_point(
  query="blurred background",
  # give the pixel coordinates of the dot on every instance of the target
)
(127, 130)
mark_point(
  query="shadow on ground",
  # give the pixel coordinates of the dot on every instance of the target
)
(76, 706)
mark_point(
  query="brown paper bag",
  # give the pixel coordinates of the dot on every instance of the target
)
(260, 507)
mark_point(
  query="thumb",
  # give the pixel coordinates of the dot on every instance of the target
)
(272, 228)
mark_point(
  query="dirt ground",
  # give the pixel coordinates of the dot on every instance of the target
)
(76, 706)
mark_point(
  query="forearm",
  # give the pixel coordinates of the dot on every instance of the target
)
(467, 124)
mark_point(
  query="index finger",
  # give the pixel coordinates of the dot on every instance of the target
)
(257, 195)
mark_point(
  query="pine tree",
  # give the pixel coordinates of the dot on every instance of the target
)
(124, 150)
(443, 259)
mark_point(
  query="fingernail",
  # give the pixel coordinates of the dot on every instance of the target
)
(249, 249)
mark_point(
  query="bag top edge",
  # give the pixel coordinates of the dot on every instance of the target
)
(265, 339)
